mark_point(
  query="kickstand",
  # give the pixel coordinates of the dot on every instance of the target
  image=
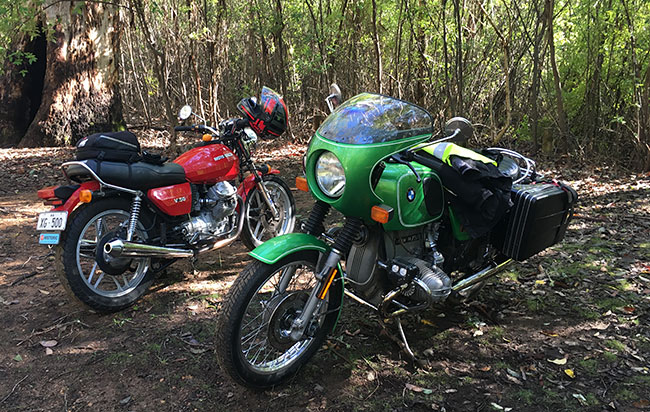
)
(402, 343)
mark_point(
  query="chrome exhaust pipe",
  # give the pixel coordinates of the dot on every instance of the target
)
(480, 276)
(119, 248)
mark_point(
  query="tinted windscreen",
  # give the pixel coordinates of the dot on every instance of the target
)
(372, 118)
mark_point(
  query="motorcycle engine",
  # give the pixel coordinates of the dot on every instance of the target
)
(215, 214)
(430, 283)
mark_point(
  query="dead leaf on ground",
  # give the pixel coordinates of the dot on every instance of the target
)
(558, 361)
(418, 389)
(48, 343)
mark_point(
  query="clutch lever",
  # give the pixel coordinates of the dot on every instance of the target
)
(402, 158)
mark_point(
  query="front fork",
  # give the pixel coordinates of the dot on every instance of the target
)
(267, 197)
(330, 270)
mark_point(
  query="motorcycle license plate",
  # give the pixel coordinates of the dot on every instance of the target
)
(52, 221)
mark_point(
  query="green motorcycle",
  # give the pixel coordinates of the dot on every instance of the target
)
(426, 223)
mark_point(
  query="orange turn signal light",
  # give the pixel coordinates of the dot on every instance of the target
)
(381, 213)
(85, 196)
(301, 183)
(207, 137)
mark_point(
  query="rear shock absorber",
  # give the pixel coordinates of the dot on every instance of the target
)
(133, 217)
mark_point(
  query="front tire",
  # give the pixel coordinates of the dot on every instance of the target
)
(77, 266)
(253, 345)
(259, 224)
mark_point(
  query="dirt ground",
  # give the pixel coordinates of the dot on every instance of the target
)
(568, 330)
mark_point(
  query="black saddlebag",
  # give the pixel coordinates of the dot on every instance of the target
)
(538, 219)
(111, 146)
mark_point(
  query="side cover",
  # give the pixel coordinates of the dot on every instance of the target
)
(173, 200)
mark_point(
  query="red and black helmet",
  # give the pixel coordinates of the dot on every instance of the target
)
(269, 116)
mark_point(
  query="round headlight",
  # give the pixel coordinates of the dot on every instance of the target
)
(330, 175)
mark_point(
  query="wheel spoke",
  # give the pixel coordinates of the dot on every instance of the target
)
(92, 273)
(119, 286)
(256, 232)
(99, 280)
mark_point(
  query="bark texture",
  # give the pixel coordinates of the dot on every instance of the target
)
(80, 89)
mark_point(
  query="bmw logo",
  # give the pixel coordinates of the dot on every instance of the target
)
(410, 194)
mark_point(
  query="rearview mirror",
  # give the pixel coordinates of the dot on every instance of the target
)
(185, 112)
(334, 98)
(460, 128)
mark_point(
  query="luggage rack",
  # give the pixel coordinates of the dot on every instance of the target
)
(530, 170)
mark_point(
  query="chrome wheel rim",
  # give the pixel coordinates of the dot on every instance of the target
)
(259, 219)
(268, 316)
(99, 282)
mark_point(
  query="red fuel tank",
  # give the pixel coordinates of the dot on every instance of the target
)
(209, 164)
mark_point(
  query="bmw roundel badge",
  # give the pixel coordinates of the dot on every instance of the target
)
(410, 194)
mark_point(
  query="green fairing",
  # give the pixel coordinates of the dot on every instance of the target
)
(392, 188)
(358, 162)
(279, 247)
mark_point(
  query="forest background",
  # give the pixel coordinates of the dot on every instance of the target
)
(568, 79)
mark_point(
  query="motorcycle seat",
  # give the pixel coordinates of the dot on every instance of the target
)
(138, 176)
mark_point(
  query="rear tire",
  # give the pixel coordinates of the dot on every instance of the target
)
(252, 344)
(78, 269)
(259, 225)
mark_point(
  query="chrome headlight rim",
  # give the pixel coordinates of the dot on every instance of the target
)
(330, 175)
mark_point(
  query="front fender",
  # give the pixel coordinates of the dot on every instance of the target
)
(278, 247)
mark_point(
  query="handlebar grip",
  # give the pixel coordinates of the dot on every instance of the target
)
(186, 128)
(241, 123)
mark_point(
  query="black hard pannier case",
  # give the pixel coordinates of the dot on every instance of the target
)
(538, 219)
(110, 146)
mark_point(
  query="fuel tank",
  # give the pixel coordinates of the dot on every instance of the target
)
(209, 164)
(415, 203)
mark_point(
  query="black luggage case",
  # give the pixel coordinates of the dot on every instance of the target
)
(110, 146)
(538, 219)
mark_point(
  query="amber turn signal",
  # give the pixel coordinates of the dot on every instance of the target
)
(301, 184)
(85, 196)
(207, 137)
(381, 213)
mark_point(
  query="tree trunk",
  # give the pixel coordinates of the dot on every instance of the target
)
(20, 96)
(375, 33)
(559, 101)
(72, 89)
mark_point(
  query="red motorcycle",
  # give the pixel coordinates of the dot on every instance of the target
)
(128, 214)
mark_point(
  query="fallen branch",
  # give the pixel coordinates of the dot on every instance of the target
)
(13, 390)
(23, 277)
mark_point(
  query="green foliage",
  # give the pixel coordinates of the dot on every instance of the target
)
(19, 20)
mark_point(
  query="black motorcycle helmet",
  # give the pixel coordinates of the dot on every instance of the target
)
(269, 116)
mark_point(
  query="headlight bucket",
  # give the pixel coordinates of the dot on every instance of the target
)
(330, 175)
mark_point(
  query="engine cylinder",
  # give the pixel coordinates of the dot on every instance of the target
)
(435, 285)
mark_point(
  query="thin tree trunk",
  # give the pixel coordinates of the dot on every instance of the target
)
(459, 57)
(559, 100)
(159, 63)
(375, 32)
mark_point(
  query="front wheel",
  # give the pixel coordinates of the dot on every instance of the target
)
(253, 342)
(259, 223)
(97, 280)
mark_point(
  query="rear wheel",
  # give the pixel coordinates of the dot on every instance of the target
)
(259, 223)
(253, 343)
(103, 283)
